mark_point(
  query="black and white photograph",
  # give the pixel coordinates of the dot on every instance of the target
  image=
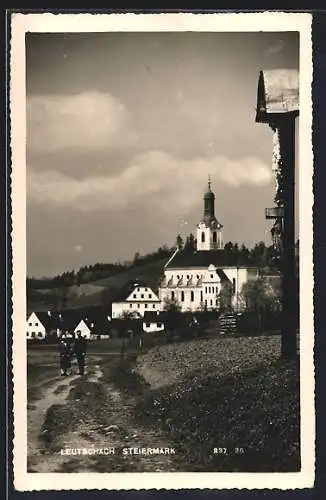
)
(162, 251)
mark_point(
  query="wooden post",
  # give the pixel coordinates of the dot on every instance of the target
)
(287, 194)
(279, 109)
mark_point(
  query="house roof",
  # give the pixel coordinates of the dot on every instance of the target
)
(203, 259)
(127, 290)
(223, 277)
(50, 321)
(278, 93)
(152, 317)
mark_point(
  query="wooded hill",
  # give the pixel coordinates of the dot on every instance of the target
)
(99, 284)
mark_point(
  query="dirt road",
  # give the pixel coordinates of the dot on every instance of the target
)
(86, 427)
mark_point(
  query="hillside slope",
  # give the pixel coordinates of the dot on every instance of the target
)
(100, 292)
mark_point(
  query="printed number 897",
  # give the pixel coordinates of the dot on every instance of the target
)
(220, 451)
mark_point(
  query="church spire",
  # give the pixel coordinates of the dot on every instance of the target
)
(209, 202)
(209, 182)
(209, 230)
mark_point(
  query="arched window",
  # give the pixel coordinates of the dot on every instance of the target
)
(192, 296)
(203, 237)
(182, 296)
(233, 285)
(201, 296)
(214, 237)
(172, 295)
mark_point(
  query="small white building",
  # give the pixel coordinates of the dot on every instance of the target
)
(136, 302)
(41, 324)
(153, 322)
(84, 327)
(35, 328)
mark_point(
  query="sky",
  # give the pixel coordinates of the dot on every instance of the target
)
(123, 130)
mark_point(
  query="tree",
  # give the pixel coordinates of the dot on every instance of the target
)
(260, 297)
(225, 296)
(228, 247)
(136, 259)
(190, 243)
(244, 254)
(172, 314)
(171, 305)
(179, 242)
(128, 315)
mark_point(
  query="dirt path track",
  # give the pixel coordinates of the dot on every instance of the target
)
(120, 432)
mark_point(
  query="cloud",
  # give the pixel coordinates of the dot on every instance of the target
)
(277, 47)
(154, 178)
(82, 122)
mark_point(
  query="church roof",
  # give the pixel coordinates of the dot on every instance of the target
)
(209, 194)
(202, 259)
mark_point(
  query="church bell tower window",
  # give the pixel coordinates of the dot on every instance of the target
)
(203, 237)
(214, 237)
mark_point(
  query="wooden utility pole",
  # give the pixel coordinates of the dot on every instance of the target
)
(289, 323)
(278, 106)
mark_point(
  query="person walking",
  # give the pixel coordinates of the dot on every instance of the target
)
(65, 353)
(80, 349)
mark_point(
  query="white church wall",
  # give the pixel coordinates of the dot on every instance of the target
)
(238, 276)
(208, 233)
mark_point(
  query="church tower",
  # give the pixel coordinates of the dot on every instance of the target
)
(209, 230)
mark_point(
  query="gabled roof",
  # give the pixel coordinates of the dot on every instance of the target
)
(50, 320)
(152, 317)
(223, 277)
(202, 259)
(129, 288)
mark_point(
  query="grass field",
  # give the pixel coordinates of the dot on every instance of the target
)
(231, 394)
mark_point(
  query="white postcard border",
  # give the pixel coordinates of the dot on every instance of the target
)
(219, 22)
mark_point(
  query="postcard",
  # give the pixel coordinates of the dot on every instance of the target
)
(161, 193)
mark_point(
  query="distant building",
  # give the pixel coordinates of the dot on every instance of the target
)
(194, 278)
(153, 322)
(84, 327)
(135, 300)
(41, 324)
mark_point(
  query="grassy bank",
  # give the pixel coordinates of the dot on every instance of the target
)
(253, 417)
(229, 393)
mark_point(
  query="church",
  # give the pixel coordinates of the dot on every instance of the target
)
(194, 279)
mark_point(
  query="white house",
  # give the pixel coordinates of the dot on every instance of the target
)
(41, 324)
(194, 278)
(136, 301)
(153, 322)
(85, 328)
